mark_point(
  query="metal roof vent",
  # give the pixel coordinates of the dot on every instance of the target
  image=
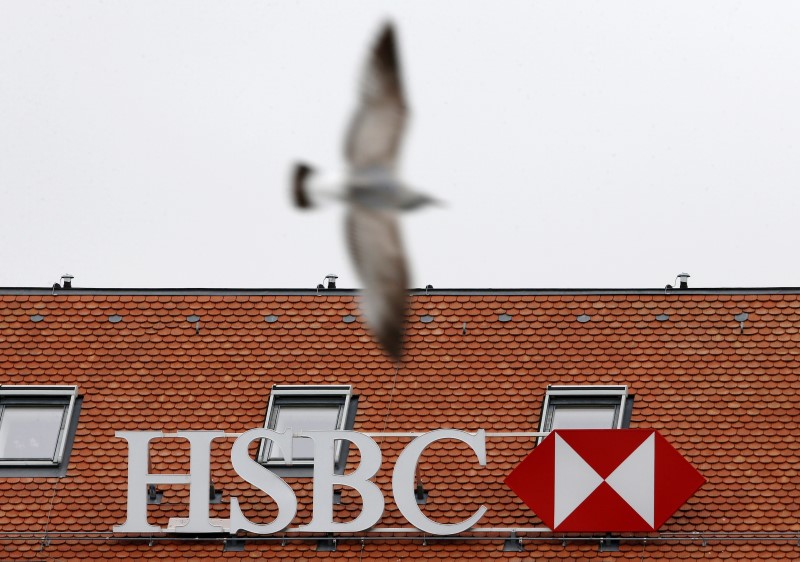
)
(194, 319)
(349, 319)
(504, 317)
(270, 319)
(66, 283)
(741, 318)
(37, 318)
(426, 319)
(115, 318)
(684, 277)
(329, 282)
(662, 317)
(583, 318)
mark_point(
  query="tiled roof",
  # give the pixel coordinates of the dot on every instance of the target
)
(723, 394)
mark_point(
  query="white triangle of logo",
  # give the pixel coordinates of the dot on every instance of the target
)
(634, 479)
(574, 480)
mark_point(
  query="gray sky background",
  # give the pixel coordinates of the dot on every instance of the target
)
(577, 144)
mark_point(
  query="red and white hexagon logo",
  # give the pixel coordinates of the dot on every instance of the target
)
(603, 480)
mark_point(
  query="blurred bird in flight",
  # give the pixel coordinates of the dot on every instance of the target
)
(374, 194)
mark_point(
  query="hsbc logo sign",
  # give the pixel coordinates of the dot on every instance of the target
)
(604, 480)
(575, 480)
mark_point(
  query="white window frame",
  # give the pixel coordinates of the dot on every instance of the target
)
(313, 394)
(41, 395)
(604, 393)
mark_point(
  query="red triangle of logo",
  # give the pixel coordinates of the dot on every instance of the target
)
(604, 510)
(533, 480)
(675, 480)
(604, 449)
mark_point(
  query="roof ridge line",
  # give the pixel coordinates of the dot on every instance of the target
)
(412, 291)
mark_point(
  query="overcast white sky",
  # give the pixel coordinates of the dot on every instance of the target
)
(577, 144)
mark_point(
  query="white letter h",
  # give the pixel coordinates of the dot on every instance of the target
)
(139, 478)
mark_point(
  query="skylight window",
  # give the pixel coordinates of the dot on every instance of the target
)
(35, 424)
(307, 408)
(586, 407)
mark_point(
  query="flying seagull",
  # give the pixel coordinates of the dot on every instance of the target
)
(374, 194)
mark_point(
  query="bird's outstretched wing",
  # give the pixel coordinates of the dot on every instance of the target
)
(377, 252)
(376, 130)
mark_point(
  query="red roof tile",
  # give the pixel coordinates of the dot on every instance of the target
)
(726, 398)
